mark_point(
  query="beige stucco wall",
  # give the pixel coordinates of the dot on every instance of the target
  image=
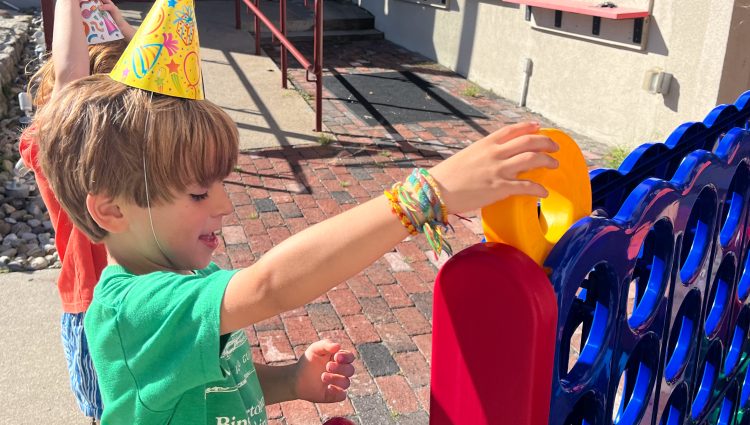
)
(736, 73)
(589, 87)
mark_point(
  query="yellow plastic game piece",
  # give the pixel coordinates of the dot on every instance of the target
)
(534, 226)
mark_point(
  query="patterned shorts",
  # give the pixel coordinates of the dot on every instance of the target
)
(83, 380)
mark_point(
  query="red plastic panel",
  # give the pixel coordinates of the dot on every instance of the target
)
(494, 319)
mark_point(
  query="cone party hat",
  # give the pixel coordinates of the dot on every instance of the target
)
(163, 56)
(98, 24)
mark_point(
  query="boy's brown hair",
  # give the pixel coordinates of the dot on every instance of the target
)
(102, 58)
(94, 136)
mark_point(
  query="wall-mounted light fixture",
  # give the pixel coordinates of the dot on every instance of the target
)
(657, 81)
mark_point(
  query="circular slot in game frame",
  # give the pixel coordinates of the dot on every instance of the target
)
(638, 379)
(675, 411)
(734, 204)
(587, 411)
(709, 376)
(720, 295)
(698, 235)
(589, 312)
(726, 411)
(682, 336)
(738, 348)
(651, 274)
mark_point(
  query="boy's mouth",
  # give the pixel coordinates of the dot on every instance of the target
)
(210, 240)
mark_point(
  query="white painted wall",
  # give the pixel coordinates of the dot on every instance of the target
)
(589, 87)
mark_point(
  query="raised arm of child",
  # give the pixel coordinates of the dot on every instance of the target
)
(127, 30)
(70, 54)
(320, 257)
(70, 51)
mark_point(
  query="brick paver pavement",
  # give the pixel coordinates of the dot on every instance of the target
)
(384, 313)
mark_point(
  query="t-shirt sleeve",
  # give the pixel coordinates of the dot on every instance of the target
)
(169, 326)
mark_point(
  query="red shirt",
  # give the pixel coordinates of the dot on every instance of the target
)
(82, 260)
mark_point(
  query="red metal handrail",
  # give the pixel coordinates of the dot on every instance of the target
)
(316, 67)
(48, 19)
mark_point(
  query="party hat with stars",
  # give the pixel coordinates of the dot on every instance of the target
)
(163, 56)
(98, 24)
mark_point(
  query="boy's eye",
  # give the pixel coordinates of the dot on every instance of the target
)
(199, 197)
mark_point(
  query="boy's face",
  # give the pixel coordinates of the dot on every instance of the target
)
(185, 228)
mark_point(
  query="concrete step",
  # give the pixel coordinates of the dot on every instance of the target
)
(330, 36)
(339, 36)
(337, 15)
(338, 24)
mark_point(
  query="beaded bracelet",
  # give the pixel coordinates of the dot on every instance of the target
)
(418, 204)
(396, 209)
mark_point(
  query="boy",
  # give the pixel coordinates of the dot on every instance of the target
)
(160, 348)
(142, 172)
(162, 327)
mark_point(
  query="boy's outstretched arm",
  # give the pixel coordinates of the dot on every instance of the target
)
(70, 52)
(311, 262)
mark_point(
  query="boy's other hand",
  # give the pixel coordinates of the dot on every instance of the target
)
(487, 171)
(322, 373)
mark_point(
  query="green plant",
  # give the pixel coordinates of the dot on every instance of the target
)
(253, 216)
(385, 153)
(305, 95)
(471, 90)
(616, 154)
(325, 139)
(345, 183)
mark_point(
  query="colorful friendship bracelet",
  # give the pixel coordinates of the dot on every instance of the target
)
(396, 209)
(418, 204)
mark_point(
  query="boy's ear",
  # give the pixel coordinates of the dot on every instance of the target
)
(106, 213)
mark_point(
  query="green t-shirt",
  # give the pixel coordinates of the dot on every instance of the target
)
(155, 343)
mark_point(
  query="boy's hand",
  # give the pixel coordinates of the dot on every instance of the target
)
(323, 372)
(487, 171)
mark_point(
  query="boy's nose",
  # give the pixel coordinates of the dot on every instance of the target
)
(223, 204)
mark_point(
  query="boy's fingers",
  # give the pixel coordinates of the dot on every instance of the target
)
(344, 356)
(510, 132)
(526, 187)
(346, 369)
(334, 394)
(527, 143)
(529, 161)
(336, 380)
(324, 348)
